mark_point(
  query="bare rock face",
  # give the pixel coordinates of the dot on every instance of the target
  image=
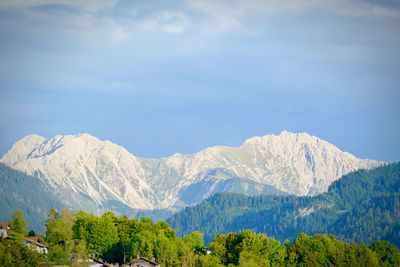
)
(97, 175)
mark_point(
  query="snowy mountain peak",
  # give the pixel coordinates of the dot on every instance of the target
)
(85, 166)
(22, 147)
(97, 175)
(283, 137)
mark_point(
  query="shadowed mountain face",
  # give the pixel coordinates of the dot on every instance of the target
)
(96, 176)
(28, 194)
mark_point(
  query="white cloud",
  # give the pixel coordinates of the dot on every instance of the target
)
(92, 5)
(199, 20)
(103, 32)
(231, 14)
(195, 16)
(173, 28)
(167, 22)
(84, 27)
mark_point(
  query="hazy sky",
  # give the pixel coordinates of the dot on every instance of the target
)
(160, 77)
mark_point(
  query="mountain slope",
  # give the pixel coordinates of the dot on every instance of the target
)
(363, 206)
(28, 194)
(294, 163)
(100, 174)
(97, 175)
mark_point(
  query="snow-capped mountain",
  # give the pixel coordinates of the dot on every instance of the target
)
(97, 175)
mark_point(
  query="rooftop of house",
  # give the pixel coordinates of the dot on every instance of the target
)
(4, 225)
(141, 261)
(34, 238)
(28, 239)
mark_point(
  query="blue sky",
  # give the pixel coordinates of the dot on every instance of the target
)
(161, 77)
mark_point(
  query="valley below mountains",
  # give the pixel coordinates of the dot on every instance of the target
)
(86, 173)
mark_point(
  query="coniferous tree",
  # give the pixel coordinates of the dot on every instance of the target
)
(17, 223)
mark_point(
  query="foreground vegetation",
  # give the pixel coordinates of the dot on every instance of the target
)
(119, 240)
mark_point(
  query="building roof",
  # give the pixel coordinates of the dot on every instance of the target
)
(4, 225)
(99, 261)
(35, 243)
(143, 260)
(34, 238)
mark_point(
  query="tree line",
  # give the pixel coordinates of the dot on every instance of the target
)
(120, 240)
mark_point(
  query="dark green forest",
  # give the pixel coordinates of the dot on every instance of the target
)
(119, 240)
(26, 193)
(362, 206)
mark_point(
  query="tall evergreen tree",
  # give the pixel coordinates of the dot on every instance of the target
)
(18, 224)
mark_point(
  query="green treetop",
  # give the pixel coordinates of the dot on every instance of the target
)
(18, 224)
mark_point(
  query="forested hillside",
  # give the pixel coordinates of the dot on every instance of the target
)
(362, 206)
(25, 193)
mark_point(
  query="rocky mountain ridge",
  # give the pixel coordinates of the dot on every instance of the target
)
(97, 175)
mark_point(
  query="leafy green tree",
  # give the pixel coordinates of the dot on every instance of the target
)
(248, 259)
(388, 254)
(167, 251)
(247, 249)
(57, 231)
(218, 247)
(14, 253)
(31, 233)
(52, 215)
(59, 236)
(67, 217)
(18, 224)
(195, 241)
(59, 255)
(120, 239)
(208, 260)
(365, 256)
(82, 224)
(349, 258)
(125, 249)
(100, 234)
(103, 234)
(59, 227)
(259, 248)
(167, 231)
(5, 255)
(187, 254)
(80, 252)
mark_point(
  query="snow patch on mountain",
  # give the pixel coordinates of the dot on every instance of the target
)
(92, 173)
(84, 164)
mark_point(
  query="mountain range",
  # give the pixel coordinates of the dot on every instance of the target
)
(363, 206)
(97, 176)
